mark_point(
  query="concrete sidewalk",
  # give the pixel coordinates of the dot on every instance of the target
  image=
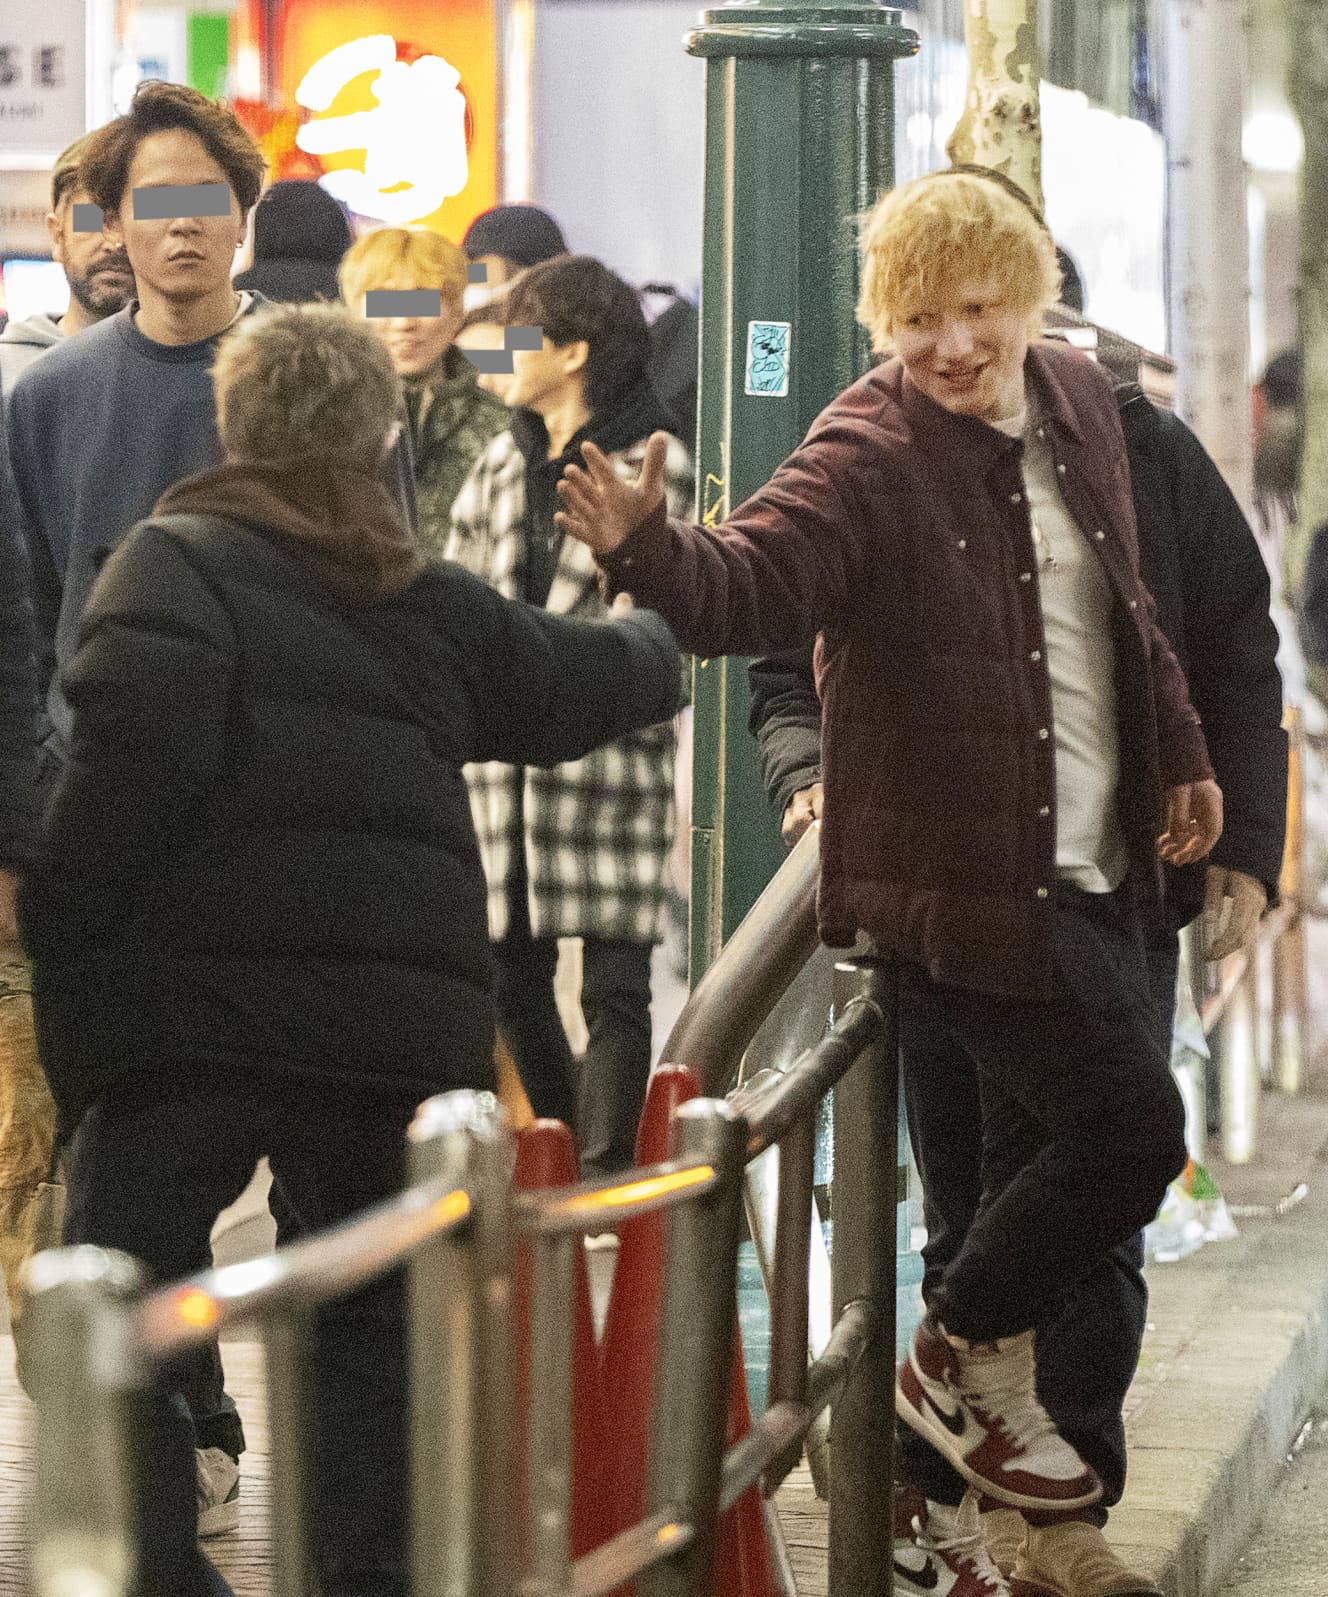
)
(1236, 1353)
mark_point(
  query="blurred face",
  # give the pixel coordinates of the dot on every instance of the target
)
(416, 343)
(96, 264)
(182, 258)
(544, 379)
(485, 335)
(966, 351)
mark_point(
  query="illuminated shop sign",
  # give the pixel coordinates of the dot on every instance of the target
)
(414, 139)
(398, 103)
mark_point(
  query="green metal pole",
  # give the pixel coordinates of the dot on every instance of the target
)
(799, 140)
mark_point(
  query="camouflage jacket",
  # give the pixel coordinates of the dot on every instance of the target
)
(452, 420)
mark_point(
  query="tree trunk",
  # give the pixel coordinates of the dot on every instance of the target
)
(1309, 95)
(1208, 273)
(1001, 126)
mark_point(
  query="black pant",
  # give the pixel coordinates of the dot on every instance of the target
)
(151, 1167)
(605, 1106)
(1100, 1048)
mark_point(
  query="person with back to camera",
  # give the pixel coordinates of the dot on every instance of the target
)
(958, 527)
(259, 925)
(300, 236)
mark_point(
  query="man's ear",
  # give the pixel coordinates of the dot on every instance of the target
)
(55, 229)
(575, 355)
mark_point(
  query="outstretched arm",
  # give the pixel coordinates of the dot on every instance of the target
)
(788, 560)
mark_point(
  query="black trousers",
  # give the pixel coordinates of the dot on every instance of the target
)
(1084, 1129)
(150, 1170)
(602, 1096)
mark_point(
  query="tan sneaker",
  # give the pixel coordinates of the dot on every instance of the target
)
(218, 1492)
(1003, 1532)
(1072, 1559)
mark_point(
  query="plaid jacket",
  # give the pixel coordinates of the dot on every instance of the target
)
(598, 830)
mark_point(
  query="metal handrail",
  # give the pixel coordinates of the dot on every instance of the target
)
(303, 1275)
(102, 1337)
(751, 971)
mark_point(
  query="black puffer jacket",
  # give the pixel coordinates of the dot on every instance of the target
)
(1201, 563)
(260, 856)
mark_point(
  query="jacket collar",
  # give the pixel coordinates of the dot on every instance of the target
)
(948, 436)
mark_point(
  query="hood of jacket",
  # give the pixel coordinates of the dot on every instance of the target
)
(40, 330)
(22, 342)
(344, 521)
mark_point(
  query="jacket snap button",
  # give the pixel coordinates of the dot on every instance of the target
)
(1016, 499)
(1025, 576)
(1060, 467)
(1134, 604)
(963, 543)
(1042, 892)
(1042, 732)
(1044, 810)
(1035, 656)
(1099, 535)
(1042, 432)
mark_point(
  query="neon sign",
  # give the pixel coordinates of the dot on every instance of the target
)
(414, 140)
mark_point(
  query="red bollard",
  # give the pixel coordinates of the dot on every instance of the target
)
(628, 1357)
(546, 1157)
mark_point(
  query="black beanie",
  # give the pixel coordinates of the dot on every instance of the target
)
(522, 234)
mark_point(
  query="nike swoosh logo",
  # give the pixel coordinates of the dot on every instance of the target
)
(927, 1578)
(955, 1423)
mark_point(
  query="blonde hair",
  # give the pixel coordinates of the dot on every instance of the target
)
(927, 239)
(382, 258)
(304, 380)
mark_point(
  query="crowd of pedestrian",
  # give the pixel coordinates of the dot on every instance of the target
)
(321, 726)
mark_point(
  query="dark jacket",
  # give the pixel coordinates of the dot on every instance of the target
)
(452, 421)
(260, 856)
(1200, 561)
(899, 531)
(18, 687)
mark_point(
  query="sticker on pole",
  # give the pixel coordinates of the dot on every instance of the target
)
(768, 359)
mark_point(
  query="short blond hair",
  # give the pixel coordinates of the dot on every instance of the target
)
(304, 381)
(927, 238)
(382, 258)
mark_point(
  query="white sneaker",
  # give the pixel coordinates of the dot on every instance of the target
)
(976, 1403)
(218, 1492)
(947, 1556)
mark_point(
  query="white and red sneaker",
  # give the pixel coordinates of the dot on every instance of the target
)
(946, 1556)
(976, 1403)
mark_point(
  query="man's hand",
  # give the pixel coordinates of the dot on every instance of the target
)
(8, 909)
(621, 606)
(1248, 899)
(1194, 822)
(803, 808)
(599, 507)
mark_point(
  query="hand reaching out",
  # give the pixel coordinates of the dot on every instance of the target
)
(599, 507)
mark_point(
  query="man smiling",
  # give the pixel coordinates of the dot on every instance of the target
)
(1006, 733)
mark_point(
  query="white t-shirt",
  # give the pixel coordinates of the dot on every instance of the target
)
(1091, 850)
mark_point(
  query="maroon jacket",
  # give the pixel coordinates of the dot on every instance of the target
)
(899, 532)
